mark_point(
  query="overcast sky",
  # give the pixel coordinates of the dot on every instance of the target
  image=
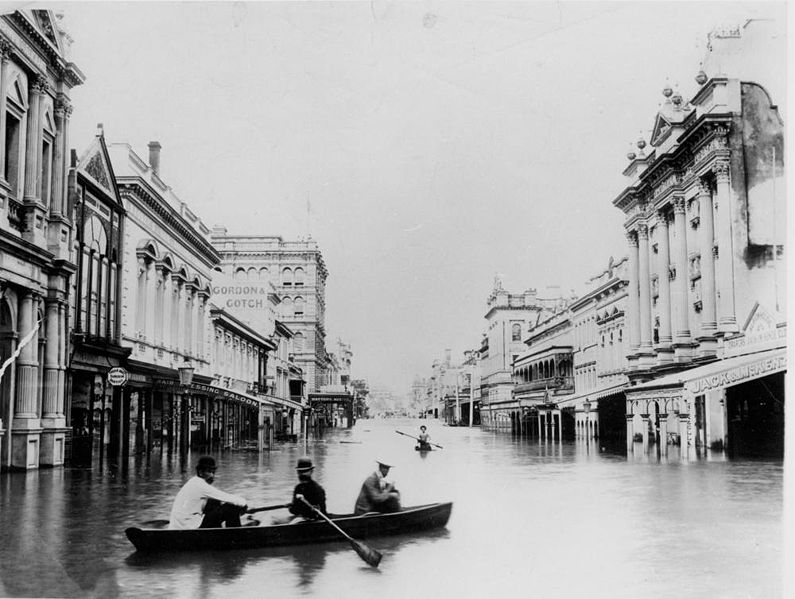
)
(437, 143)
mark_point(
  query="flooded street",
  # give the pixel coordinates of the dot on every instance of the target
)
(547, 519)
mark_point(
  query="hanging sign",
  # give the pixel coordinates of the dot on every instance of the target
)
(118, 376)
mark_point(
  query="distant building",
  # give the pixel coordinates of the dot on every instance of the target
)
(705, 207)
(298, 272)
(509, 317)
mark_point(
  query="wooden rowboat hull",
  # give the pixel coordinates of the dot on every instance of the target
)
(411, 519)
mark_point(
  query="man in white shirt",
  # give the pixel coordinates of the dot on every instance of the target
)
(200, 505)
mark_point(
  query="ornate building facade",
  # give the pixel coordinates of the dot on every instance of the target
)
(36, 261)
(509, 317)
(706, 299)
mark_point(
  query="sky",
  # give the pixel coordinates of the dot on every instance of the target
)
(426, 146)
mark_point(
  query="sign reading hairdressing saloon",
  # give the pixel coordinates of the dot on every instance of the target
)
(246, 300)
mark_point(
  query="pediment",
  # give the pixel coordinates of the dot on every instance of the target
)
(662, 127)
(17, 94)
(96, 167)
(47, 26)
(759, 320)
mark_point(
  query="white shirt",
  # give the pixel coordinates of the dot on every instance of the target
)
(188, 509)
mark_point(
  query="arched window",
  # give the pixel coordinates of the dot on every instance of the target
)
(287, 277)
(16, 108)
(263, 274)
(253, 275)
(298, 342)
(299, 276)
(298, 306)
(287, 307)
(516, 332)
(240, 274)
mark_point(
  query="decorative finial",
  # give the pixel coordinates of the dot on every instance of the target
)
(701, 76)
(667, 91)
(677, 97)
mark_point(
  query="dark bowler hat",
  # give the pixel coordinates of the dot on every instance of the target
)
(205, 463)
(304, 465)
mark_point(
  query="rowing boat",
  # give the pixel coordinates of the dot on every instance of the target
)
(410, 519)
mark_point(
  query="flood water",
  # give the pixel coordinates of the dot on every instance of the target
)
(529, 519)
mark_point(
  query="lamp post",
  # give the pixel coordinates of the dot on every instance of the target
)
(185, 379)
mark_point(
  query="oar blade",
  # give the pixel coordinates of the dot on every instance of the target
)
(368, 554)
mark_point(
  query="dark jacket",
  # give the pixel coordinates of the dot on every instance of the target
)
(314, 494)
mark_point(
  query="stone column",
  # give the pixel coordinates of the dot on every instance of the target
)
(630, 431)
(727, 321)
(64, 198)
(62, 359)
(161, 276)
(37, 88)
(633, 320)
(663, 434)
(179, 341)
(5, 50)
(664, 352)
(26, 426)
(150, 325)
(679, 293)
(684, 442)
(644, 291)
(50, 395)
(27, 364)
(57, 189)
(707, 240)
(140, 299)
(189, 318)
(645, 418)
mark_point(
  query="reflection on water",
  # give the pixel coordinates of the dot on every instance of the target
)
(555, 520)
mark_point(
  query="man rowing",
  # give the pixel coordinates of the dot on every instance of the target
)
(424, 439)
(308, 490)
(378, 494)
(200, 505)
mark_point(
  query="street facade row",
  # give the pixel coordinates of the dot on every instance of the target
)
(683, 340)
(126, 324)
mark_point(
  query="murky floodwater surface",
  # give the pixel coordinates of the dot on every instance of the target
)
(529, 518)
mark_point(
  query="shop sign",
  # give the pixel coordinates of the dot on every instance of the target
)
(737, 375)
(247, 300)
(118, 376)
(760, 332)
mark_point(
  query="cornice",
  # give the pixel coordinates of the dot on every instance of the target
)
(204, 248)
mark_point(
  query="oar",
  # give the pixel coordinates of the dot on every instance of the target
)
(252, 510)
(368, 554)
(416, 439)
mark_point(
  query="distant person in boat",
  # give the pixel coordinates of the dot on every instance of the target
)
(424, 439)
(200, 505)
(310, 490)
(378, 494)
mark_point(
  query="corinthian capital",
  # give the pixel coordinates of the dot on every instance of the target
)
(39, 85)
(632, 238)
(703, 187)
(643, 231)
(5, 49)
(722, 171)
(679, 205)
(662, 218)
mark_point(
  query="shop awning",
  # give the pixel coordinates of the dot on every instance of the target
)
(596, 395)
(722, 373)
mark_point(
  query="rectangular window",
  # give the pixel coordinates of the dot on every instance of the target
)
(46, 164)
(11, 166)
(85, 269)
(112, 302)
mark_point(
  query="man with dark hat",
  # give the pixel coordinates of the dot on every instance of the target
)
(378, 494)
(309, 490)
(200, 505)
